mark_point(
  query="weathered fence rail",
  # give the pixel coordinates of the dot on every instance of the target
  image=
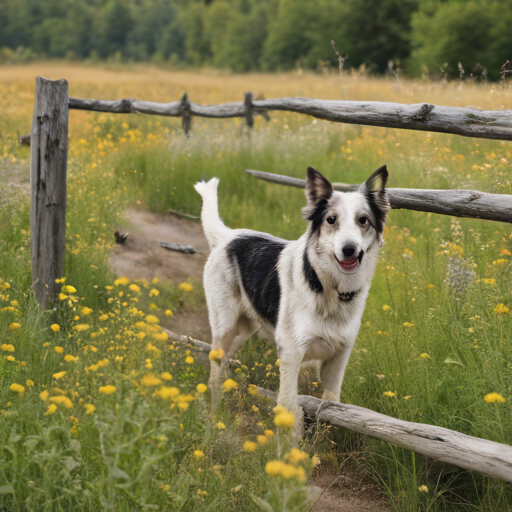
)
(459, 203)
(486, 124)
(468, 452)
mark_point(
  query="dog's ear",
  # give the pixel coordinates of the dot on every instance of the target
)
(318, 187)
(374, 188)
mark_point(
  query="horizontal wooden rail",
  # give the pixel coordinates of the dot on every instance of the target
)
(468, 452)
(459, 203)
(486, 124)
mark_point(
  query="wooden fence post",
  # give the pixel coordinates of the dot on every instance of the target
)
(48, 164)
(186, 118)
(249, 110)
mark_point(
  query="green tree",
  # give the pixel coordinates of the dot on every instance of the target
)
(477, 32)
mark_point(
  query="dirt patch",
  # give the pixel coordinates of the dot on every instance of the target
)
(141, 258)
(344, 492)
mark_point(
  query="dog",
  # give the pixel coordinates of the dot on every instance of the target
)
(310, 293)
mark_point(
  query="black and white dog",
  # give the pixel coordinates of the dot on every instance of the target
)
(310, 292)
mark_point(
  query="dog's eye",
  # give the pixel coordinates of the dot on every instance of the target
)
(363, 220)
(331, 220)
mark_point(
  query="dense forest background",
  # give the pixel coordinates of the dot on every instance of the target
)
(419, 36)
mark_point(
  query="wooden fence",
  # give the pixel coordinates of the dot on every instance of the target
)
(48, 162)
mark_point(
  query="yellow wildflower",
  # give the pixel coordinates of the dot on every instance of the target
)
(150, 380)
(220, 425)
(489, 280)
(55, 327)
(189, 360)
(123, 281)
(107, 390)
(59, 350)
(295, 455)
(499, 262)
(14, 326)
(202, 388)
(186, 287)
(168, 392)
(134, 288)
(315, 460)
(284, 419)
(166, 376)
(69, 358)
(44, 395)
(18, 388)
(408, 324)
(51, 409)
(168, 312)
(253, 389)
(254, 408)
(29, 383)
(152, 319)
(61, 399)
(214, 355)
(274, 467)
(154, 292)
(391, 394)
(86, 311)
(160, 336)
(269, 433)
(494, 398)
(198, 454)
(89, 408)
(386, 307)
(183, 405)
(500, 309)
(62, 296)
(423, 488)
(229, 384)
(7, 347)
(424, 356)
(10, 358)
(250, 446)
(59, 375)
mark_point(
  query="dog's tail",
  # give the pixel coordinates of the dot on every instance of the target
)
(214, 229)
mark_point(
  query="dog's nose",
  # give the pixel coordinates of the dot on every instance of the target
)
(349, 250)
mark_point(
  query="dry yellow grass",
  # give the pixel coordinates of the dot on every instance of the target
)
(209, 86)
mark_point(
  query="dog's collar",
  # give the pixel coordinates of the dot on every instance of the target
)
(347, 296)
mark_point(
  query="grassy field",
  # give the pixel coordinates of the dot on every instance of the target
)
(101, 412)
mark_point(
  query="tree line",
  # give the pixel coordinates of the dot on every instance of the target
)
(435, 37)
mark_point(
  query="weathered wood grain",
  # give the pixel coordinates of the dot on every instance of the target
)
(486, 124)
(48, 165)
(459, 203)
(488, 457)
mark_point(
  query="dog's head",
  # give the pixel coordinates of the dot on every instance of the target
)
(344, 226)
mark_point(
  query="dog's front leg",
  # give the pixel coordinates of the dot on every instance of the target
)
(289, 365)
(332, 372)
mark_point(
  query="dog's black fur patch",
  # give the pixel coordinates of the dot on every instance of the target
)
(317, 215)
(256, 257)
(374, 190)
(311, 276)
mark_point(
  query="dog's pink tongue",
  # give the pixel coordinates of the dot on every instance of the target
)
(349, 263)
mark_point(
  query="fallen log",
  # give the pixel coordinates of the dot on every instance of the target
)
(185, 249)
(468, 452)
(459, 203)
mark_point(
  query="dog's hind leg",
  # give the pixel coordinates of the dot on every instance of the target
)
(332, 372)
(230, 343)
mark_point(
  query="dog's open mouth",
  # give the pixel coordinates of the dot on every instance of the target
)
(352, 264)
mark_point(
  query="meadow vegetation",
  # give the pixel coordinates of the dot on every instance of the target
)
(100, 411)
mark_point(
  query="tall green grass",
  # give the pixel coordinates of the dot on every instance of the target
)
(434, 337)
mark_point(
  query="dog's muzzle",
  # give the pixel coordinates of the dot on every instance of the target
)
(350, 264)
